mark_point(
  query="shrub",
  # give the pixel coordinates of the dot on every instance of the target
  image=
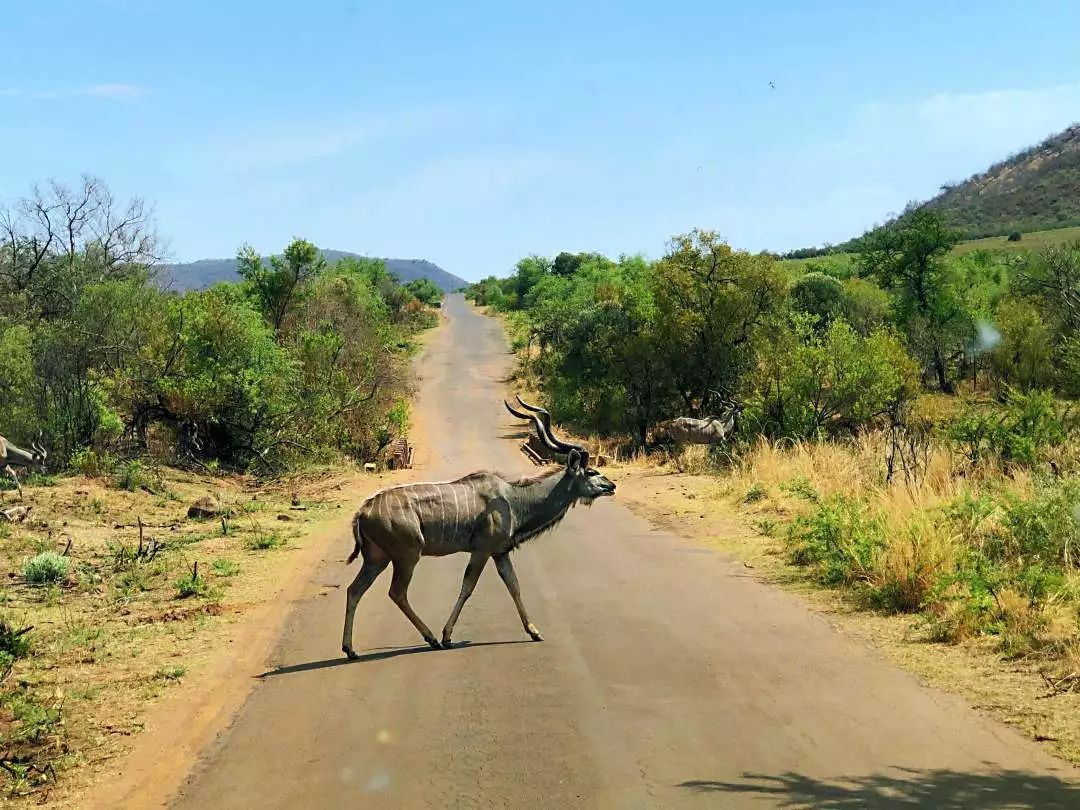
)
(192, 585)
(840, 540)
(756, 493)
(263, 541)
(134, 475)
(89, 462)
(225, 568)
(1023, 433)
(46, 568)
(819, 295)
(833, 381)
(14, 644)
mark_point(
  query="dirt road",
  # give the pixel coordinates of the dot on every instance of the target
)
(669, 678)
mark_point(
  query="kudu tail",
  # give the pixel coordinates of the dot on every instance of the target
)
(357, 539)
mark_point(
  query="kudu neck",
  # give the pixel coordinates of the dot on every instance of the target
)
(545, 501)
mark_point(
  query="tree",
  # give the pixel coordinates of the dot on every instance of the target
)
(711, 302)
(907, 257)
(819, 295)
(62, 239)
(277, 287)
(865, 305)
(425, 291)
(813, 381)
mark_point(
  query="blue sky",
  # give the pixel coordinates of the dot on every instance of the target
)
(473, 134)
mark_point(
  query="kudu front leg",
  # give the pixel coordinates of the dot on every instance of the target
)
(509, 578)
(11, 471)
(472, 575)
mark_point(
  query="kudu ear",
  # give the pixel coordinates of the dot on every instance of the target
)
(573, 460)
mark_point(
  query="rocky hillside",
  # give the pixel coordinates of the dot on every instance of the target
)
(201, 274)
(1036, 189)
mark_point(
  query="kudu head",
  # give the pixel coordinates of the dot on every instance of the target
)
(729, 408)
(588, 483)
(38, 453)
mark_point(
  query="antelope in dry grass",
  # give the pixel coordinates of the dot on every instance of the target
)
(12, 457)
(484, 514)
(710, 430)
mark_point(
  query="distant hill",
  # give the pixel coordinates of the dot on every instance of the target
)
(1037, 189)
(205, 272)
(1034, 190)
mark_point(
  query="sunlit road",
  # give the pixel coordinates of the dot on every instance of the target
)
(669, 678)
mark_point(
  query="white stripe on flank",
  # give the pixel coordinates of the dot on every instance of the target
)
(457, 509)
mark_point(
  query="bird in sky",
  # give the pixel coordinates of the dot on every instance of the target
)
(773, 86)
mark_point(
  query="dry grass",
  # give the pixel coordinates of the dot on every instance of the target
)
(746, 509)
(125, 626)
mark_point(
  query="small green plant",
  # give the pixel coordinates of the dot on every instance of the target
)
(801, 487)
(134, 475)
(89, 462)
(839, 540)
(766, 527)
(262, 541)
(224, 568)
(46, 568)
(192, 585)
(170, 674)
(14, 644)
(756, 493)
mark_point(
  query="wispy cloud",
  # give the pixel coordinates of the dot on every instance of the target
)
(117, 91)
(993, 122)
(120, 92)
(276, 146)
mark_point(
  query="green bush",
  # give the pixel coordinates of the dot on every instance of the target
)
(192, 584)
(92, 463)
(1023, 432)
(816, 383)
(839, 540)
(225, 568)
(819, 295)
(46, 568)
(265, 540)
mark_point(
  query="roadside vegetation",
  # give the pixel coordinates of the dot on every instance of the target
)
(910, 433)
(182, 430)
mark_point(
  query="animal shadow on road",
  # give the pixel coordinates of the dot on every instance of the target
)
(906, 787)
(381, 654)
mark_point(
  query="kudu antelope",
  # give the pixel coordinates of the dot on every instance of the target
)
(484, 514)
(710, 430)
(12, 457)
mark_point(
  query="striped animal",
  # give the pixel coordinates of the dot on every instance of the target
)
(484, 514)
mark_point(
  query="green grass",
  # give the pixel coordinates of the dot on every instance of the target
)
(1032, 241)
(842, 265)
(224, 568)
(263, 541)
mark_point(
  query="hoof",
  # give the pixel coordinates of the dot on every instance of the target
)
(434, 644)
(350, 653)
(534, 634)
(447, 644)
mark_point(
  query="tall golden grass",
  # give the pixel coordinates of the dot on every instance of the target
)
(921, 546)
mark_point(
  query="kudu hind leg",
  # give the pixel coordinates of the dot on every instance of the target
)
(399, 594)
(509, 578)
(369, 572)
(468, 583)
